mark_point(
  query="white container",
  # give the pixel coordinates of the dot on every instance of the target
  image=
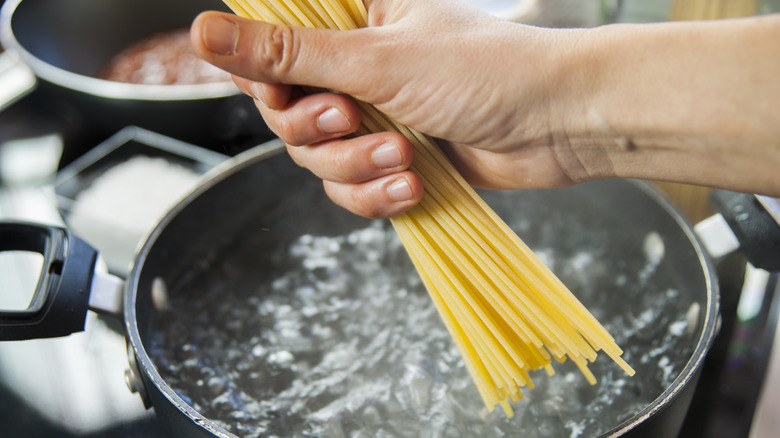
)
(116, 193)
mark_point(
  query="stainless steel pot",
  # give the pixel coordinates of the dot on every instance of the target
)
(67, 43)
(626, 252)
(618, 220)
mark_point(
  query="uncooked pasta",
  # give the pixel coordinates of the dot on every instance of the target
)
(506, 311)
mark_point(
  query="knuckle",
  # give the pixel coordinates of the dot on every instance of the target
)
(286, 130)
(362, 205)
(355, 199)
(341, 165)
(279, 49)
(294, 153)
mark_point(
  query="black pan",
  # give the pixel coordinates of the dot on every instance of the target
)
(67, 43)
(259, 308)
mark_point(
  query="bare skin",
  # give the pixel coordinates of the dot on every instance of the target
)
(513, 106)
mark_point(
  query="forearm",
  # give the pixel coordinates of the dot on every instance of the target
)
(687, 102)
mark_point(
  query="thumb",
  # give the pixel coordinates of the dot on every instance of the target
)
(272, 53)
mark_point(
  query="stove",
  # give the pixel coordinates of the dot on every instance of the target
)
(63, 387)
(85, 395)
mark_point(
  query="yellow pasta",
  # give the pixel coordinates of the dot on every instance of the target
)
(507, 313)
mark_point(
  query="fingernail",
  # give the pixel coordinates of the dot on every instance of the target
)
(333, 121)
(220, 36)
(399, 190)
(386, 156)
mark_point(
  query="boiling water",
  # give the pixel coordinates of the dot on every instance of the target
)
(335, 336)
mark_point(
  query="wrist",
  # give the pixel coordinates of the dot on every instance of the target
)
(583, 134)
(683, 102)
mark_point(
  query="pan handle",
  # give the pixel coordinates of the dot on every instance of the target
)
(17, 79)
(753, 225)
(60, 301)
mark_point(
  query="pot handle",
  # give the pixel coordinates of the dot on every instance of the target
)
(60, 301)
(754, 225)
(16, 77)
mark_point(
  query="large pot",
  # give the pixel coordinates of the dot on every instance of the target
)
(67, 43)
(206, 301)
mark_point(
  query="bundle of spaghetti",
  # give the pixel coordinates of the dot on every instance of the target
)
(507, 313)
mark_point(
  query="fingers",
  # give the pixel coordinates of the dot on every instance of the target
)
(367, 175)
(301, 120)
(274, 96)
(380, 198)
(313, 118)
(356, 160)
(274, 54)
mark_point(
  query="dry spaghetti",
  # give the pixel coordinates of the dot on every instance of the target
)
(506, 311)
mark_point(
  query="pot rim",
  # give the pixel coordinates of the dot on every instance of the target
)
(711, 313)
(143, 360)
(685, 377)
(101, 87)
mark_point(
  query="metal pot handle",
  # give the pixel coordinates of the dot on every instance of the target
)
(61, 299)
(16, 77)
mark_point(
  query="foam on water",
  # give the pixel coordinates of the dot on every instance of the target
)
(335, 336)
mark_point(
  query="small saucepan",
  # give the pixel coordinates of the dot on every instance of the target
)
(66, 44)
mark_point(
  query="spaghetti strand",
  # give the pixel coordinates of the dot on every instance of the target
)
(506, 312)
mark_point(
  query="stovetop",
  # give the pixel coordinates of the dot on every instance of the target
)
(727, 398)
(86, 396)
(66, 387)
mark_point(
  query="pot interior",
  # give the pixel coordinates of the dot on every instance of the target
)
(289, 316)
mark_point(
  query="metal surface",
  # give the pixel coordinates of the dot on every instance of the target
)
(163, 256)
(67, 43)
(16, 77)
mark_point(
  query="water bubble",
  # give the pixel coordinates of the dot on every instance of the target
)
(331, 340)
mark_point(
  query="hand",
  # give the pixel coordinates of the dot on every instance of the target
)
(513, 106)
(493, 111)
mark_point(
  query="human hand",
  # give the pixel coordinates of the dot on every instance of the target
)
(513, 106)
(437, 66)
